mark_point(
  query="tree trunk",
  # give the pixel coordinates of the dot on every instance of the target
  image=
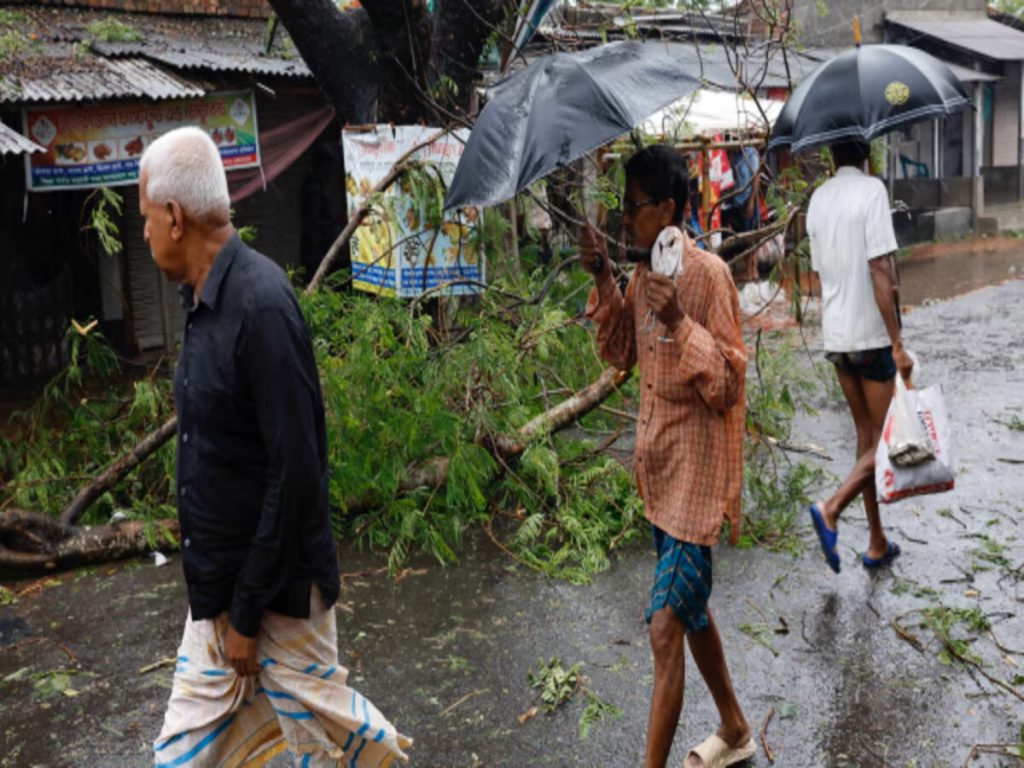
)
(339, 48)
(113, 474)
(30, 541)
(434, 472)
(392, 61)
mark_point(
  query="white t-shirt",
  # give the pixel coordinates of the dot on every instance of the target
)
(849, 223)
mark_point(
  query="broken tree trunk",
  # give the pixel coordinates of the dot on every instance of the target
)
(33, 541)
(113, 474)
(434, 472)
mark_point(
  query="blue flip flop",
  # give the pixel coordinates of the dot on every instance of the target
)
(892, 551)
(827, 538)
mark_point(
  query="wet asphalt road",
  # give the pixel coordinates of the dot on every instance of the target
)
(445, 652)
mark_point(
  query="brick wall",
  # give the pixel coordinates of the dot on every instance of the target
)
(258, 9)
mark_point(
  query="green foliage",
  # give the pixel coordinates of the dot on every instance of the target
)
(12, 44)
(775, 488)
(7, 596)
(397, 394)
(761, 634)
(106, 204)
(86, 417)
(596, 710)
(555, 683)
(950, 626)
(54, 682)
(1014, 8)
(113, 31)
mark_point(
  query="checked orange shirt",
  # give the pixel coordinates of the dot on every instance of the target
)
(689, 439)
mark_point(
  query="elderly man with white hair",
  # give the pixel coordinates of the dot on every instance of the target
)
(258, 664)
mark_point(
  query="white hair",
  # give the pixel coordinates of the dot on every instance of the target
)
(184, 165)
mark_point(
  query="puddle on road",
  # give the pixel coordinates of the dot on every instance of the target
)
(945, 270)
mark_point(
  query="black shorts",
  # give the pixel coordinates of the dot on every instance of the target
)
(871, 364)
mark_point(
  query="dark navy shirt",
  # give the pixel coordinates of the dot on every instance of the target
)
(252, 448)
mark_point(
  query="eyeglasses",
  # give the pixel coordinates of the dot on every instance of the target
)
(631, 208)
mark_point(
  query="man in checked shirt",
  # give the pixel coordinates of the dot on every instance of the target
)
(684, 334)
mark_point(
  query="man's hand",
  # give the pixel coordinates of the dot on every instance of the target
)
(241, 653)
(593, 253)
(663, 299)
(904, 363)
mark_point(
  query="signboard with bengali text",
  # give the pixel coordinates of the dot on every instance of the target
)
(397, 251)
(100, 144)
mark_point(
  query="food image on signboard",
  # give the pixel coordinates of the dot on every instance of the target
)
(102, 151)
(217, 136)
(229, 135)
(133, 147)
(71, 153)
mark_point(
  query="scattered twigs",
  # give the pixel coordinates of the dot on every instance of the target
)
(170, 661)
(764, 735)
(1001, 750)
(906, 634)
(447, 710)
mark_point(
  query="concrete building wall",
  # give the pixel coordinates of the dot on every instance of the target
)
(829, 22)
(1006, 117)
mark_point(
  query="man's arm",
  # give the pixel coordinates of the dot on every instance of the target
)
(883, 282)
(611, 312)
(880, 244)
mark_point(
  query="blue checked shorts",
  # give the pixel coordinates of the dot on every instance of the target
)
(682, 581)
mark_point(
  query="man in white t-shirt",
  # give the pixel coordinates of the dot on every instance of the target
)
(852, 250)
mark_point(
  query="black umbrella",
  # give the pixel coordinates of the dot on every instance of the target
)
(865, 92)
(561, 107)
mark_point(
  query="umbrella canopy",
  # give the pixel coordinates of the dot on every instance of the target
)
(709, 111)
(561, 107)
(865, 92)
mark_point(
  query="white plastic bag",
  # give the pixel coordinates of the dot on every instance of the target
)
(934, 475)
(906, 436)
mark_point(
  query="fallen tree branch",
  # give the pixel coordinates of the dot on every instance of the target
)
(1000, 750)
(65, 545)
(113, 474)
(764, 736)
(434, 472)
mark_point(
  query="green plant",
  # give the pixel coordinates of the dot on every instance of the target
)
(945, 622)
(113, 31)
(555, 683)
(12, 44)
(103, 205)
(86, 416)
(775, 488)
(594, 711)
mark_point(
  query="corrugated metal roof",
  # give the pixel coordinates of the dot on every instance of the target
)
(66, 76)
(222, 62)
(66, 54)
(977, 34)
(216, 43)
(13, 143)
